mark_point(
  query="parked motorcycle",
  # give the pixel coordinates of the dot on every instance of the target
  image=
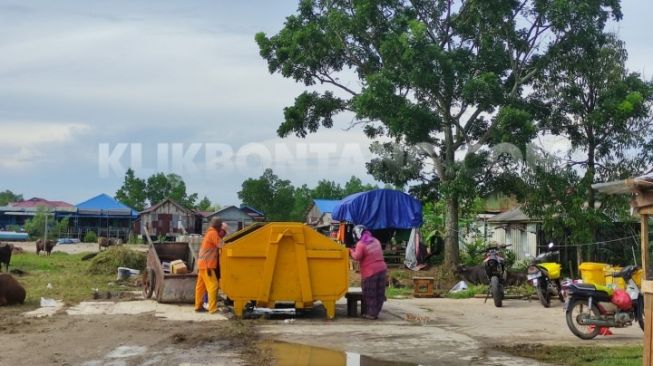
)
(545, 276)
(495, 269)
(590, 307)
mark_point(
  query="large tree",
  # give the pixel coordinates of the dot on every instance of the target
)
(161, 186)
(133, 191)
(448, 76)
(8, 196)
(270, 194)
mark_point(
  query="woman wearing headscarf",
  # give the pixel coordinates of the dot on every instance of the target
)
(373, 269)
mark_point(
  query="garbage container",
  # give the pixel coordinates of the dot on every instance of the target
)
(593, 272)
(281, 261)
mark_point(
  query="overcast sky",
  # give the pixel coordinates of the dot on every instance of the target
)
(79, 79)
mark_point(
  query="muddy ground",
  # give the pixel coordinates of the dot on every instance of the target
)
(408, 332)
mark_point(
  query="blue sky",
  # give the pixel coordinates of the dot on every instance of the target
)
(77, 74)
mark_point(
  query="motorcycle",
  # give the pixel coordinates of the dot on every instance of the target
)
(495, 270)
(591, 307)
(545, 276)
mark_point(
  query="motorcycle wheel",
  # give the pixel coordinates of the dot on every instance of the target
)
(574, 311)
(543, 293)
(640, 311)
(497, 291)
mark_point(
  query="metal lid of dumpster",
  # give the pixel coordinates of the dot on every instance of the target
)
(245, 231)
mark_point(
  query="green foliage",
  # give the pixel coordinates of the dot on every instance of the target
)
(133, 191)
(454, 77)
(473, 252)
(471, 291)
(161, 186)
(135, 239)
(204, 205)
(36, 226)
(90, 237)
(108, 261)
(8, 196)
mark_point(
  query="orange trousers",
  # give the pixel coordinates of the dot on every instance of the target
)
(207, 281)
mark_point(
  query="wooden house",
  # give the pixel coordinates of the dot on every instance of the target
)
(168, 218)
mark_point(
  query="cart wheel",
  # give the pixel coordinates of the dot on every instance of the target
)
(148, 283)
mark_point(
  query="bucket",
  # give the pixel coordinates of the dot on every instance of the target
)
(592, 273)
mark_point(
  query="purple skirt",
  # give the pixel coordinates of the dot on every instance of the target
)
(374, 293)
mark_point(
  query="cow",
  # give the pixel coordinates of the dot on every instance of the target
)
(5, 255)
(514, 278)
(47, 248)
(11, 291)
(475, 274)
(107, 242)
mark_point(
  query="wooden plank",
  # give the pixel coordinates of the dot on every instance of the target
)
(647, 287)
(645, 245)
(648, 340)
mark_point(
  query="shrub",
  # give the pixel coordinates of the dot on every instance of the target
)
(473, 253)
(90, 237)
(108, 261)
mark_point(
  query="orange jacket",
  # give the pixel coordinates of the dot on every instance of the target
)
(208, 255)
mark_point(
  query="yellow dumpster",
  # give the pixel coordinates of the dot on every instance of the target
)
(616, 282)
(282, 261)
(592, 272)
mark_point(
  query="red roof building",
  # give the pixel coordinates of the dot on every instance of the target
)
(40, 202)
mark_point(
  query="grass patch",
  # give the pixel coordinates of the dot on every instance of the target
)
(579, 356)
(398, 292)
(107, 261)
(67, 274)
(471, 291)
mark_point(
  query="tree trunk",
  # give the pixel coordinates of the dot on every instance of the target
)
(589, 180)
(451, 249)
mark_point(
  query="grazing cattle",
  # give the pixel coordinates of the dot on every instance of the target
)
(49, 244)
(5, 255)
(11, 292)
(107, 242)
(514, 278)
(474, 274)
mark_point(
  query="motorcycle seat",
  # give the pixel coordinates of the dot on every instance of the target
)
(589, 288)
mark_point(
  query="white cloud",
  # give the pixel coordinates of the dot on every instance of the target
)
(17, 134)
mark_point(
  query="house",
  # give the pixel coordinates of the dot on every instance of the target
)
(319, 212)
(514, 227)
(103, 215)
(256, 215)
(167, 218)
(237, 218)
(16, 213)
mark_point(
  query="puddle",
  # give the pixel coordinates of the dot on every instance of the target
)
(294, 354)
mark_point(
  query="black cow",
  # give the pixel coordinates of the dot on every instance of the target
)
(475, 274)
(49, 244)
(11, 292)
(5, 255)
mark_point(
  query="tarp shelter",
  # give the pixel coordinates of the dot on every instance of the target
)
(380, 209)
(385, 209)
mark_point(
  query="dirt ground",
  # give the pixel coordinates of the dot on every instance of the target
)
(408, 332)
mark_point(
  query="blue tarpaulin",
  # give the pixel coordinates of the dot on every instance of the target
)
(380, 209)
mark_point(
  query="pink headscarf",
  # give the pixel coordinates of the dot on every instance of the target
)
(367, 237)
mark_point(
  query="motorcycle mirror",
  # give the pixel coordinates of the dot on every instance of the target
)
(551, 245)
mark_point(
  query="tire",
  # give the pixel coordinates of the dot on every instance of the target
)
(497, 291)
(543, 293)
(149, 281)
(572, 319)
(640, 311)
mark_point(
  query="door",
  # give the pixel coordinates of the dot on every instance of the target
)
(164, 222)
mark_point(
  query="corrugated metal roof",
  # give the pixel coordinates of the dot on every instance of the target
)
(37, 201)
(514, 215)
(624, 186)
(326, 206)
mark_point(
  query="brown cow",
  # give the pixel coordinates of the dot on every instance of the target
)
(11, 291)
(107, 242)
(49, 244)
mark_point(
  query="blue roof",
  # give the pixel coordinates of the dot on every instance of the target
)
(326, 206)
(104, 202)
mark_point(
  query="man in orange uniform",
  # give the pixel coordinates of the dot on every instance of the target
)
(207, 266)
